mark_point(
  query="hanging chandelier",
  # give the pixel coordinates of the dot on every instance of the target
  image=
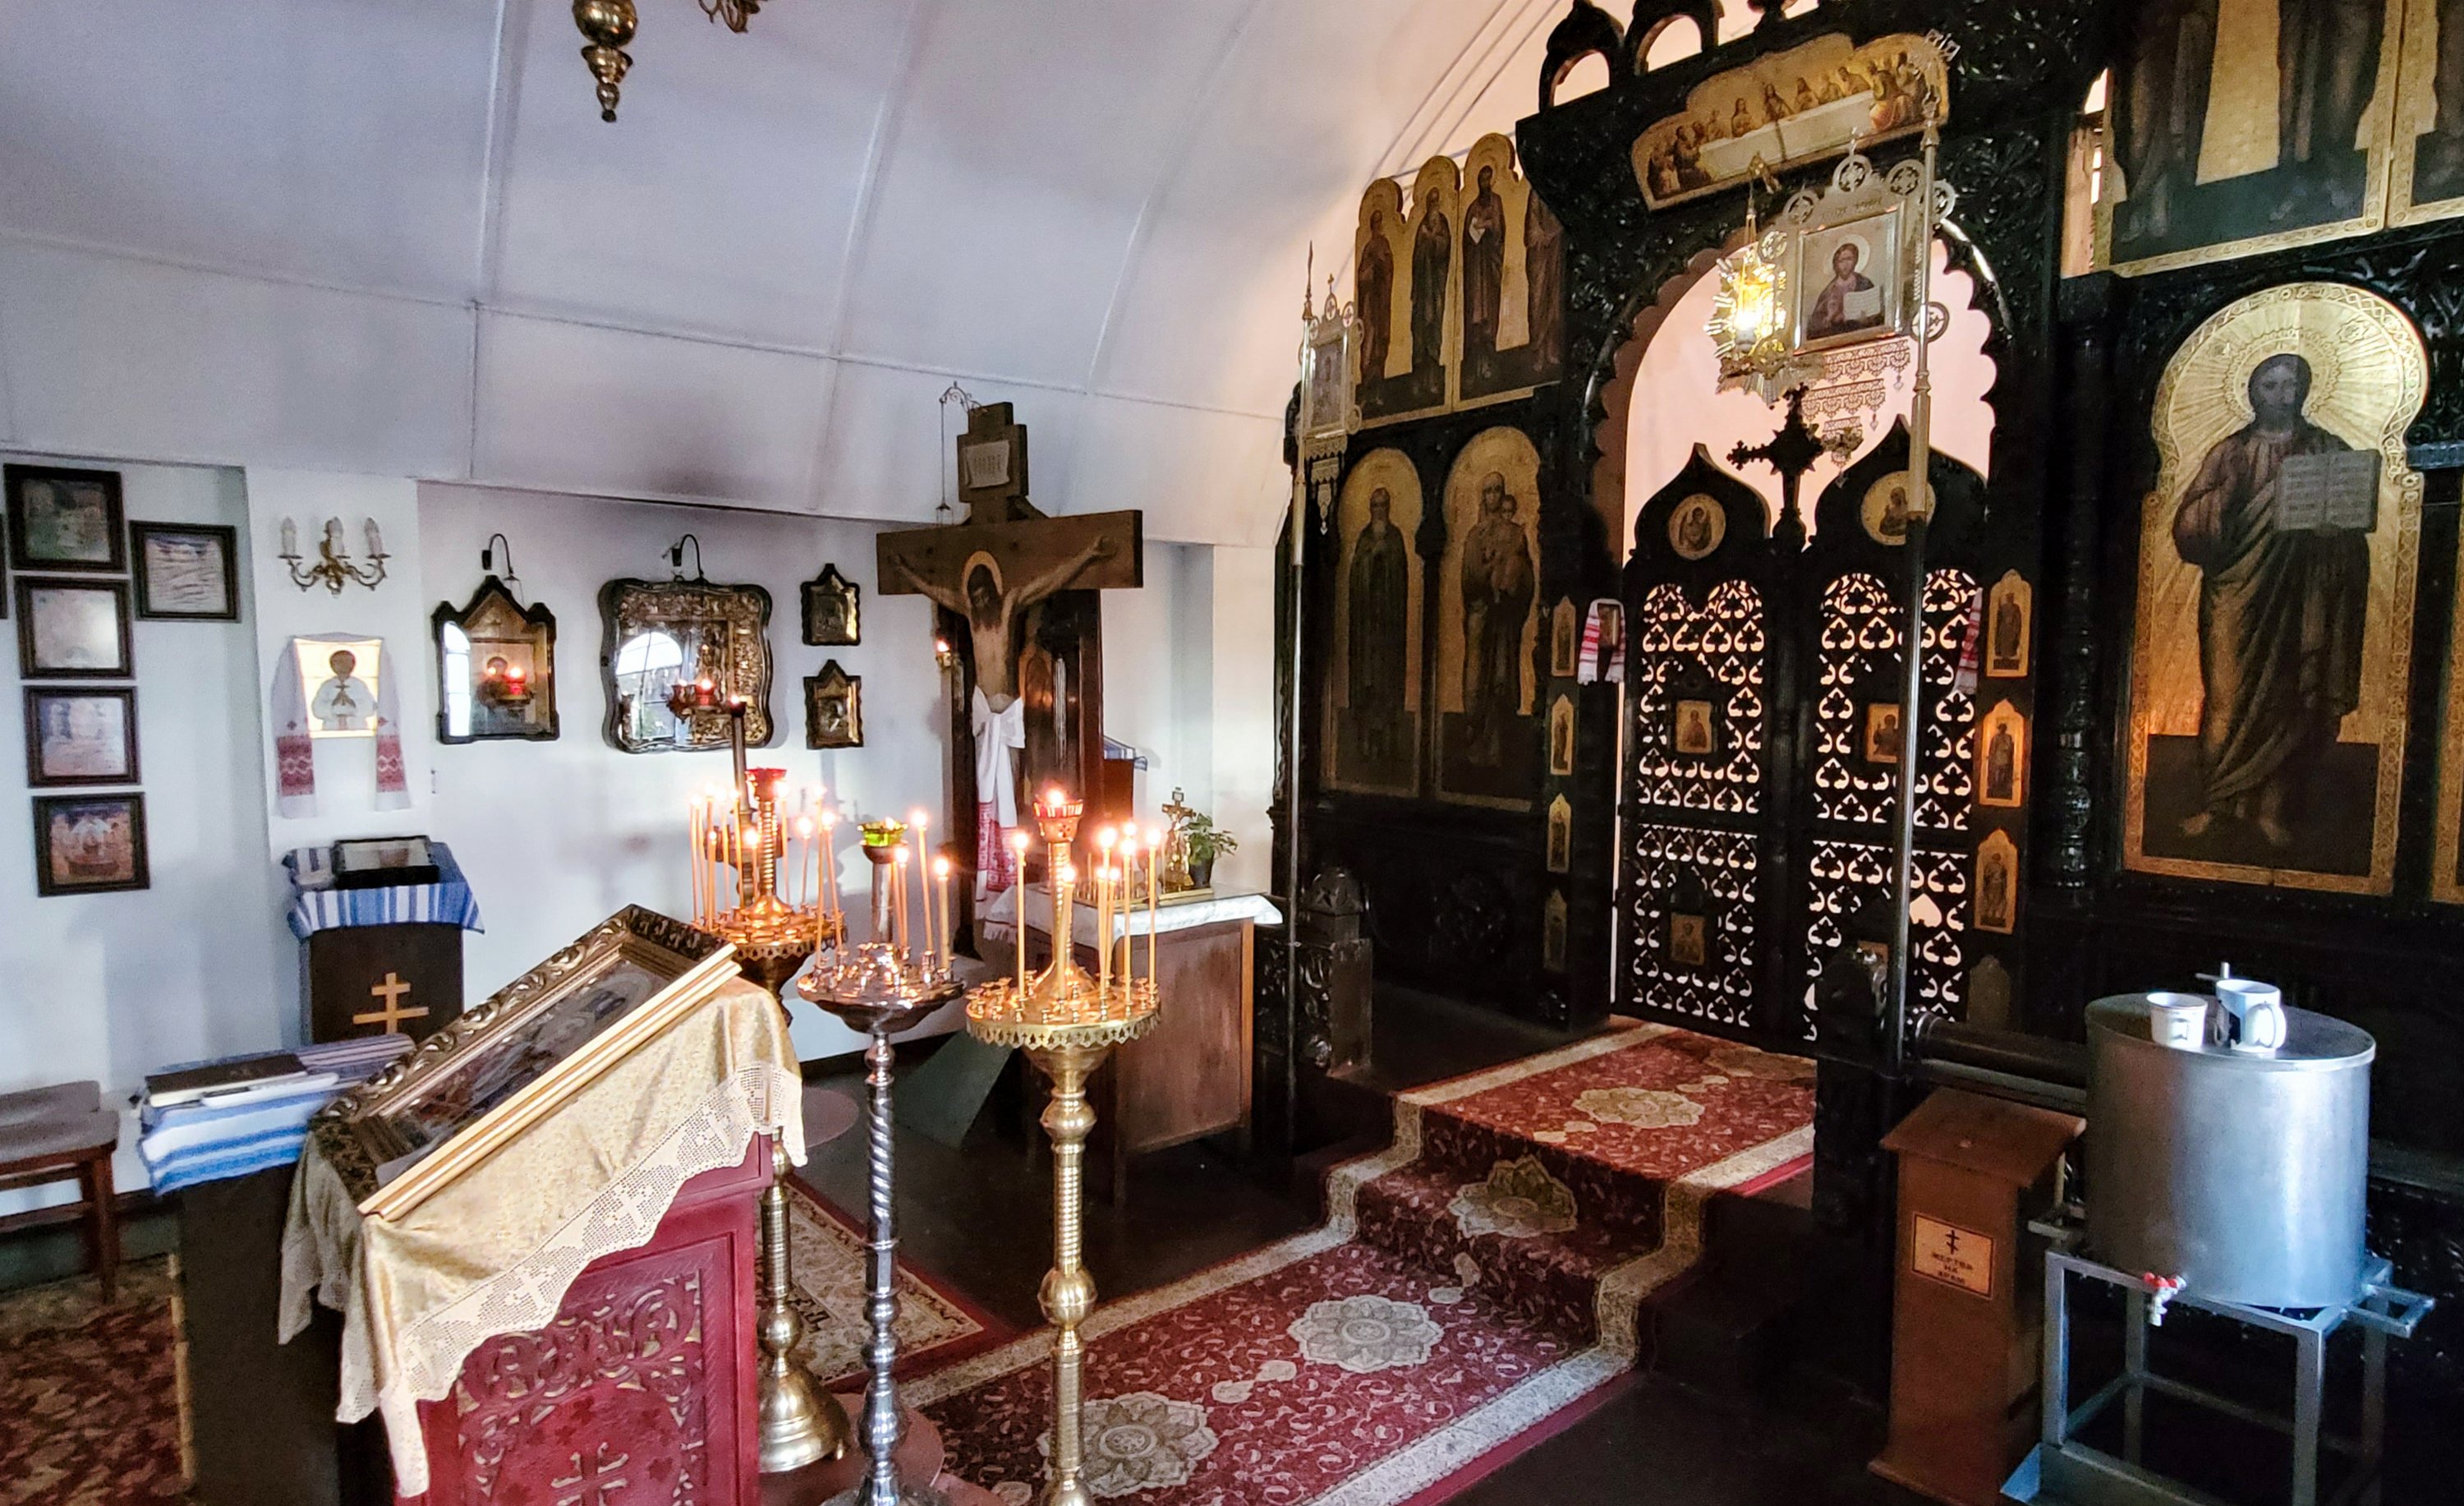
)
(608, 25)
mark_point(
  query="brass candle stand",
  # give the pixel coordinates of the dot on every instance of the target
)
(882, 986)
(1066, 1023)
(773, 936)
(800, 1423)
(738, 846)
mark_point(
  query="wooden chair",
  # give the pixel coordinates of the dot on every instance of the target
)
(51, 1134)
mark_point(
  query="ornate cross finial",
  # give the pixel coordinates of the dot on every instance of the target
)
(1791, 453)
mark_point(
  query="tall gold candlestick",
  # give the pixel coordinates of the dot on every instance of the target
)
(1066, 1023)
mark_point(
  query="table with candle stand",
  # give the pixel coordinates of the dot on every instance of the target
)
(1190, 1076)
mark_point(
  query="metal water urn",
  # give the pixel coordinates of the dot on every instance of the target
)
(2236, 1155)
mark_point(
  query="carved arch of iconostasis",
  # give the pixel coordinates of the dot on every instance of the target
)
(2014, 85)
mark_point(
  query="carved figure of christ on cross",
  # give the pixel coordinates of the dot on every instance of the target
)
(991, 574)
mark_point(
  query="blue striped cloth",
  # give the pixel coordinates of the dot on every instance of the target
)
(317, 905)
(207, 1142)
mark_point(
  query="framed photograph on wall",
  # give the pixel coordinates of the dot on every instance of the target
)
(186, 571)
(65, 521)
(89, 844)
(73, 630)
(79, 735)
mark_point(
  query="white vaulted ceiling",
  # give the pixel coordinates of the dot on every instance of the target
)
(395, 237)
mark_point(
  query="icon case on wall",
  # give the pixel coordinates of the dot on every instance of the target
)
(499, 682)
(833, 609)
(833, 708)
(718, 631)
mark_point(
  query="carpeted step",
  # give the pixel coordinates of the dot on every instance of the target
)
(1510, 1238)
(1533, 1184)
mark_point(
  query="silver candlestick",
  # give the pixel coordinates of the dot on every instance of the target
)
(882, 988)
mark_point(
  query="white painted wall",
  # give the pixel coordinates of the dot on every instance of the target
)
(111, 986)
(554, 836)
(1242, 686)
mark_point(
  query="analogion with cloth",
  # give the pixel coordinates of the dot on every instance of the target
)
(631, 1180)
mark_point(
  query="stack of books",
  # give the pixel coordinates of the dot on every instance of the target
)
(202, 1121)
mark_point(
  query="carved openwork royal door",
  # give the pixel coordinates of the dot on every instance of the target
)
(1698, 919)
(1762, 749)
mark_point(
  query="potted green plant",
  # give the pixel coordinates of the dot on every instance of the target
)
(1206, 842)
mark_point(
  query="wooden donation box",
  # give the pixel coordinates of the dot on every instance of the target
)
(380, 951)
(1189, 1077)
(543, 1236)
(1966, 1318)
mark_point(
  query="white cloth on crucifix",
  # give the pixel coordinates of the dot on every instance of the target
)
(998, 733)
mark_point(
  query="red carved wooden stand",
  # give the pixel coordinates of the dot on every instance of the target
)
(640, 1392)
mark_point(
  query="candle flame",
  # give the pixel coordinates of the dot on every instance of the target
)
(940, 868)
(1107, 838)
(804, 825)
(1018, 839)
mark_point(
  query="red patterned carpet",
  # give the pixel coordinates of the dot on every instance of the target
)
(1475, 1286)
(88, 1414)
(89, 1395)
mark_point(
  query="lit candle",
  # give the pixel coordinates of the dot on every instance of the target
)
(917, 819)
(1062, 938)
(1102, 926)
(1129, 898)
(1105, 841)
(693, 835)
(1155, 889)
(1017, 894)
(942, 872)
(898, 897)
(829, 863)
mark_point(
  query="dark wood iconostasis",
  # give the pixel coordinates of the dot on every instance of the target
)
(2104, 804)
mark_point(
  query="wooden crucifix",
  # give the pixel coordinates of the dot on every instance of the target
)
(1018, 597)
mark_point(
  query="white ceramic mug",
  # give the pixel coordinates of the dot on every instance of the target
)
(2179, 1020)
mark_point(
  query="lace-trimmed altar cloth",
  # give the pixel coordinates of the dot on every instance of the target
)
(494, 1251)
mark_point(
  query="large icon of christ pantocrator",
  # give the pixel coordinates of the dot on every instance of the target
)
(2271, 667)
(2282, 615)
